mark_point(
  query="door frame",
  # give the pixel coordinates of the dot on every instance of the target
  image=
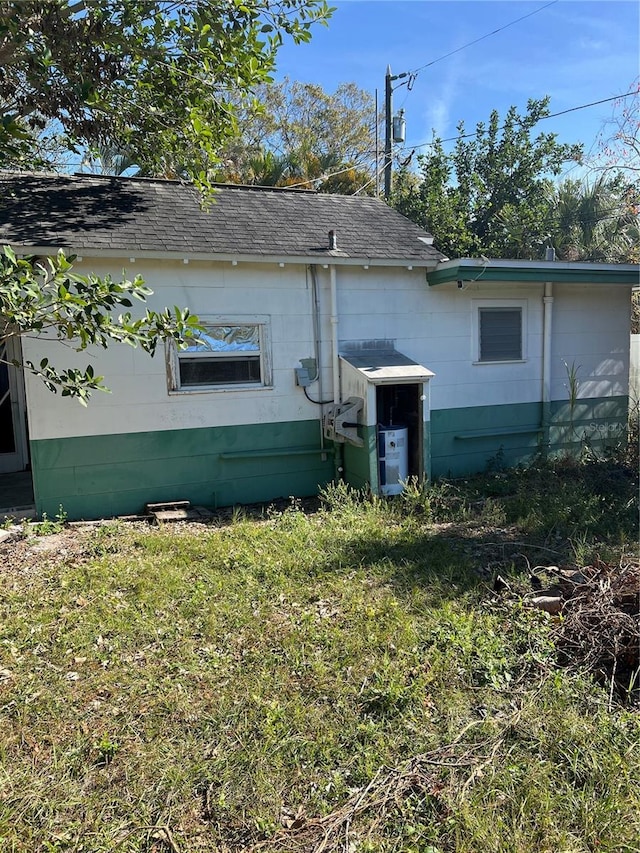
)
(18, 460)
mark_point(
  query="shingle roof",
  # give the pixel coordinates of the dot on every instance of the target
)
(94, 212)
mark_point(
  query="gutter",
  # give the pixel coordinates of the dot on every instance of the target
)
(518, 272)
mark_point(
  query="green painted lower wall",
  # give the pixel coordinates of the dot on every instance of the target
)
(465, 441)
(361, 463)
(101, 476)
(601, 423)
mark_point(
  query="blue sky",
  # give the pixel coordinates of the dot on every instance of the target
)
(576, 51)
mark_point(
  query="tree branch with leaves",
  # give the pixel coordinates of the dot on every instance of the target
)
(44, 298)
(158, 79)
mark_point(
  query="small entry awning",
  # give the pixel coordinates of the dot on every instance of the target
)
(387, 367)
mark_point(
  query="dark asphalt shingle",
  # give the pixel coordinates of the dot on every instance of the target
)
(94, 212)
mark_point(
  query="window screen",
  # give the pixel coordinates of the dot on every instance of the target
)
(500, 334)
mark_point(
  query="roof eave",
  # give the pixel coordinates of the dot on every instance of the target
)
(144, 254)
(477, 270)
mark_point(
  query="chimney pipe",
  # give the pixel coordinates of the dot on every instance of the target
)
(333, 240)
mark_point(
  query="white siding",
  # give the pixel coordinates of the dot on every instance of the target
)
(591, 328)
(433, 326)
(139, 399)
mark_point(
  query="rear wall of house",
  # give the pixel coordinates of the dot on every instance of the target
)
(142, 443)
(492, 413)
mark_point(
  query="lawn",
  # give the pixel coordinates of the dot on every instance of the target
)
(344, 678)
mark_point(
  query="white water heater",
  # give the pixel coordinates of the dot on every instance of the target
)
(393, 455)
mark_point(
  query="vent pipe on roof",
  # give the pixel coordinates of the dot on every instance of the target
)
(550, 254)
(333, 240)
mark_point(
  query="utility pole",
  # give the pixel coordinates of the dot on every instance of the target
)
(377, 161)
(388, 94)
(388, 122)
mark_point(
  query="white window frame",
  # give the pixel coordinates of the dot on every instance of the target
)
(262, 321)
(477, 304)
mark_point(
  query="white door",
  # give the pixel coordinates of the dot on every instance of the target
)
(13, 423)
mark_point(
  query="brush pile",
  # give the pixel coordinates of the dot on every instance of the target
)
(599, 631)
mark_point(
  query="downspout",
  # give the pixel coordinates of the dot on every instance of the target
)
(334, 336)
(547, 309)
(337, 391)
(317, 344)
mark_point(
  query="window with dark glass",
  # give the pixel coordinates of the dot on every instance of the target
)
(222, 355)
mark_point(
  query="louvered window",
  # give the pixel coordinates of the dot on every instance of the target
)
(500, 334)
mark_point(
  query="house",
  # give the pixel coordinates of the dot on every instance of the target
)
(338, 342)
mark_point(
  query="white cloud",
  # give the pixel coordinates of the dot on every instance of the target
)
(437, 116)
(586, 43)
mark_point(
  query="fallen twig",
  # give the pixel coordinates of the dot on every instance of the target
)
(388, 787)
(167, 837)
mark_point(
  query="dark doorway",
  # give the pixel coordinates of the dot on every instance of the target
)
(401, 406)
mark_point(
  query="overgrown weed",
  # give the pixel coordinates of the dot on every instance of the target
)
(567, 497)
(48, 526)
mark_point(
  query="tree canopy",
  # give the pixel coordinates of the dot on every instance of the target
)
(160, 79)
(489, 195)
(595, 219)
(296, 133)
(619, 141)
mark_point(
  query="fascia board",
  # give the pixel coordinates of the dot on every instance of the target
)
(144, 254)
(472, 271)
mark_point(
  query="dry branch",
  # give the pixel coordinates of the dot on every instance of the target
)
(388, 788)
(600, 628)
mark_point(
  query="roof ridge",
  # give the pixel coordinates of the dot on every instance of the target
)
(264, 188)
(11, 173)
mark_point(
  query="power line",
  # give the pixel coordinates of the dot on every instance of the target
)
(321, 177)
(551, 115)
(481, 38)
(369, 182)
(456, 138)
(413, 74)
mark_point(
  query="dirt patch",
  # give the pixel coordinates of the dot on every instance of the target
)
(26, 552)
